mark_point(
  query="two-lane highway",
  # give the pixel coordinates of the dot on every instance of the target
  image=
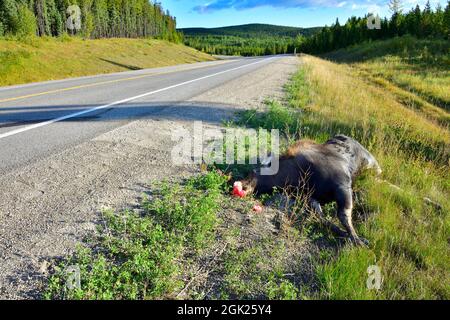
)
(38, 119)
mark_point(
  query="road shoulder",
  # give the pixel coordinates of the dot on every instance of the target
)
(49, 207)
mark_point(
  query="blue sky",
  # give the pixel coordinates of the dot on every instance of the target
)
(298, 13)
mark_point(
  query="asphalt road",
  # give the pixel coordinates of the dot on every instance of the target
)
(42, 118)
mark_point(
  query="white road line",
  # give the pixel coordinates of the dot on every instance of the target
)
(77, 114)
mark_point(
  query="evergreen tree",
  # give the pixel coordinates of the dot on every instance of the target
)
(446, 21)
(8, 15)
(395, 6)
(426, 23)
(100, 18)
(26, 22)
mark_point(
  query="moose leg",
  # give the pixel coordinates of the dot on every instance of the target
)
(345, 208)
(315, 205)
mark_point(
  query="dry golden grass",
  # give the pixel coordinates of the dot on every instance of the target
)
(408, 98)
(43, 59)
(409, 239)
(415, 70)
(435, 83)
(372, 110)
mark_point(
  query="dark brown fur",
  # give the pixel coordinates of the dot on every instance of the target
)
(325, 172)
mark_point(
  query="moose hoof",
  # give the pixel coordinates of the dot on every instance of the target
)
(361, 242)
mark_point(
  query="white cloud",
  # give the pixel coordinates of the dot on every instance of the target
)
(217, 5)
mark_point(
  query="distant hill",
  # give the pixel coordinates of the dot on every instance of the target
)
(252, 30)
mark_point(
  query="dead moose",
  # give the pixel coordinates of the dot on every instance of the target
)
(325, 172)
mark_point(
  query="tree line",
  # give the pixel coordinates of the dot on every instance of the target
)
(420, 23)
(251, 31)
(246, 40)
(99, 18)
(242, 46)
(251, 41)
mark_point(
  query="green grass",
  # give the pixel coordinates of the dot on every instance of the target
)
(140, 255)
(276, 117)
(409, 239)
(41, 59)
(159, 252)
(251, 273)
(415, 70)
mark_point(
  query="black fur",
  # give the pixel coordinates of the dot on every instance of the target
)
(325, 172)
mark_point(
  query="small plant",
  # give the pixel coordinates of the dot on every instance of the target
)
(261, 271)
(284, 290)
(277, 116)
(137, 256)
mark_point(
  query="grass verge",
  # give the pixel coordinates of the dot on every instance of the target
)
(139, 255)
(409, 239)
(415, 70)
(41, 59)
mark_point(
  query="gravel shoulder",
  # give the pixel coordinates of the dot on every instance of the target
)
(51, 205)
